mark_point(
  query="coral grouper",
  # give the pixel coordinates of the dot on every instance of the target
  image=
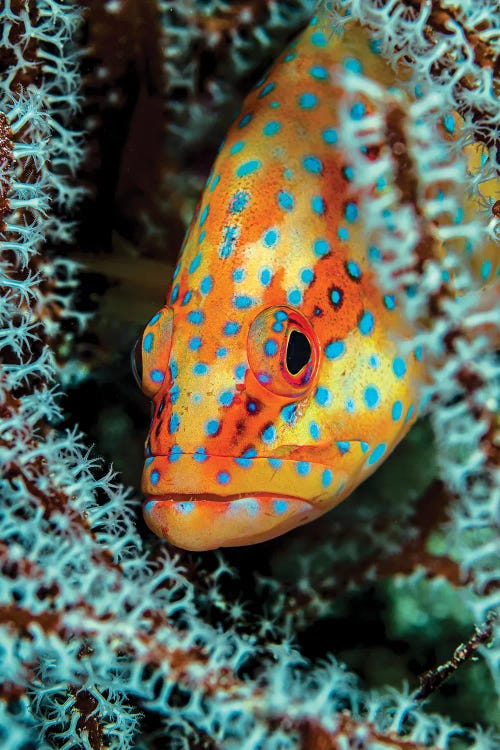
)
(276, 381)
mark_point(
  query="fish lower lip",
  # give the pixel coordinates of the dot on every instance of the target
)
(211, 521)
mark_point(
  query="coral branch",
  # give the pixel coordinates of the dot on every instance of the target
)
(349, 732)
(432, 680)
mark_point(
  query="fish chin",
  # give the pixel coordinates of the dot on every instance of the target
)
(208, 522)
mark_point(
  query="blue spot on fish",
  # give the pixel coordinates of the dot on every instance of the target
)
(248, 167)
(308, 100)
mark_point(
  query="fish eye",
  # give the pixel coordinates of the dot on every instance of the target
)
(283, 351)
(136, 361)
(298, 352)
(151, 353)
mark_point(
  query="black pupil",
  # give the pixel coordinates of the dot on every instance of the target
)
(298, 352)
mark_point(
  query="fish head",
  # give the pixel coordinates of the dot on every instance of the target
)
(267, 415)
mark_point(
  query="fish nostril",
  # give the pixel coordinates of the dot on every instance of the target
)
(136, 361)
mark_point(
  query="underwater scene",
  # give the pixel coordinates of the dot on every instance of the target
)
(249, 374)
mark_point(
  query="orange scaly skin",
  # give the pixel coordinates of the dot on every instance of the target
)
(246, 444)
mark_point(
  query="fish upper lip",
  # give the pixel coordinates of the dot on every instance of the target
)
(251, 458)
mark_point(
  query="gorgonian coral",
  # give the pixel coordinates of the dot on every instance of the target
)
(440, 248)
(108, 642)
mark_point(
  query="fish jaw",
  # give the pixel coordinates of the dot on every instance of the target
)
(259, 497)
(201, 523)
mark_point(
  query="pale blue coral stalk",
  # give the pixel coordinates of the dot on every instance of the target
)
(442, 297)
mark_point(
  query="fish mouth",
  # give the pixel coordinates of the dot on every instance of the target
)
(206, 501)
(212, 521)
